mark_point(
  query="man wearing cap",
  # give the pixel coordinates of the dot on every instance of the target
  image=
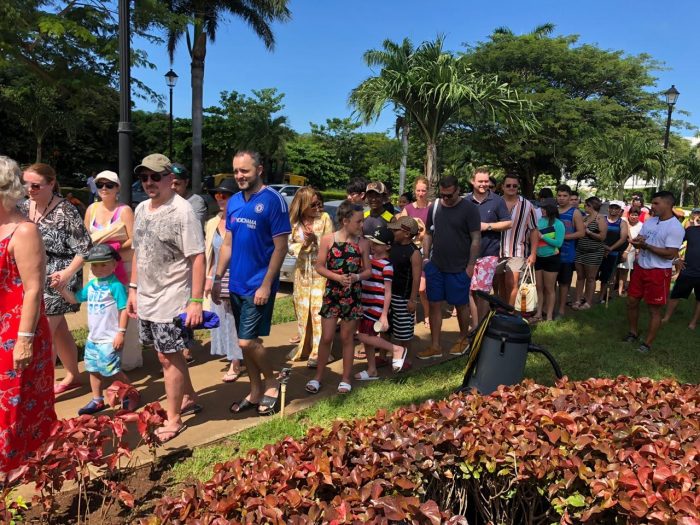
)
(450, 249)
(614, 244)
(255, 245)
(657, 244)
(689, 265)
(167, 279)
(181, 182)
(376, 215)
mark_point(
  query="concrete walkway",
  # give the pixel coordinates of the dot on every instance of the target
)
(215, 421)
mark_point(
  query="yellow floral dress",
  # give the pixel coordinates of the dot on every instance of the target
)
(308, 284)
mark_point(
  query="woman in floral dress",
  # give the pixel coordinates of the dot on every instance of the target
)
(66, 242)
(26, 365)
(309, 224)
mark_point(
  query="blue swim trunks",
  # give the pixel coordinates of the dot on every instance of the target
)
(101, 358)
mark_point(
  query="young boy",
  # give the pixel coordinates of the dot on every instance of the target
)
(107, 321)
(407, 263)
(376, 300)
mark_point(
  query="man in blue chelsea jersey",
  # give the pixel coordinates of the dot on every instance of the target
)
(257, 224)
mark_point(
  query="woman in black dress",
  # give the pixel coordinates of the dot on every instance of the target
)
(67, 242)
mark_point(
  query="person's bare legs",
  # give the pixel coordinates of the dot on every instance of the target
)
(539, 285)
(696, 315)
(512, 280)
(324, 347)
(591, 272)
(654, 323)
(423, 296)
(500, 286)
(670, 308)
(463, 320)
(550, 284)
(176, 376)
(633, 314)
(96, 385)
(563, 296)
(262, 379)
(580, 282)
(347, 334)
(435, 323)
(621, 281)
(64, 346)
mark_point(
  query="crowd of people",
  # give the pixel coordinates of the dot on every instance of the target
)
(157, 272)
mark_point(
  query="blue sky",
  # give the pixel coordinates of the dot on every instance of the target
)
(318, 54)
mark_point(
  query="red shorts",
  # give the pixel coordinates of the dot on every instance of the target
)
(651, 285)
(366, 326)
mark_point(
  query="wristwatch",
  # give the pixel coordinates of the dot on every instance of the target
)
(489, 227)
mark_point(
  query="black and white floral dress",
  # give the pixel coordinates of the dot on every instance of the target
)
(65, 236)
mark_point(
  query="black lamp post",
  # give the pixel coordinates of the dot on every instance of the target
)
(171, 80)
(671, 95)
(124, 130)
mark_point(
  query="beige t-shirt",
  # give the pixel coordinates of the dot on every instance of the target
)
(164, 240)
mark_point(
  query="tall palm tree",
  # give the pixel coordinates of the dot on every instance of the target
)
(614, 159)
(431, 85)
(402, 129)
(204, 17)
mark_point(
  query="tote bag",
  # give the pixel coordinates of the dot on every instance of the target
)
(526, 299)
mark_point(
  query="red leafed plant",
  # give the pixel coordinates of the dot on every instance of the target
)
(597, 451)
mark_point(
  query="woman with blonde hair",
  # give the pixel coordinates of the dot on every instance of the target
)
(309, 224)
(111, 222)
(26, 366)
(67, 243)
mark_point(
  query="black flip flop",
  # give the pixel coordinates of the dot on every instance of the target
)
(243, 405)
(194, 408)
(270, 404)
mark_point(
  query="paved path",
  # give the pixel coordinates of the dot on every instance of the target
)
(215, 422)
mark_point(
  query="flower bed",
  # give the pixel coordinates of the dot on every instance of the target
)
(598, 451)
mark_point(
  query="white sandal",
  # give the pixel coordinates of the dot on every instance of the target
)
(364, 376)
(344, 388)
(313, 386)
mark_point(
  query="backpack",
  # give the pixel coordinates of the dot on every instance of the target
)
(124, 396)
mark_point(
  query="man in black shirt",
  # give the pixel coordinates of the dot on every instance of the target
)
(689, 278)
(450, 248)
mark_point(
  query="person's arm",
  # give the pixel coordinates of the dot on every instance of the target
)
(320, 266)
(126, 215)
(79, 241)
(623, 237)
(504, 222)
(666, 253)
(67, 295)
(118, 342)
(366, 272)
(221, 266)
(88, 216)
(579, 227)
(194, 306)
(602, 227)
(131, 302)
(262, 294)
(427, 246)
(27, 249)
(384, 318)
(416, 269)
(534, 240)
(474, 250)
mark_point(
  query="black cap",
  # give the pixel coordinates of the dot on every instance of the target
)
(226, 186)
(103, 253)
(381, 235)
(179, 171)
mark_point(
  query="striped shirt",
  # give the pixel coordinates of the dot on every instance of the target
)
(515, 241)
(373, 289)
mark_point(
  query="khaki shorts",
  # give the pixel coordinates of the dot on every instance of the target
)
(511, 264)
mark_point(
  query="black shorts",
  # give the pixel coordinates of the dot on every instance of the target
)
(608, 267)
(550, 264)
(684, 285)
(566, 273)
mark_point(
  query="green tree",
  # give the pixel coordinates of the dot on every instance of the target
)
(313, 159)
(432, 85)
(614, 159)
(204, 18)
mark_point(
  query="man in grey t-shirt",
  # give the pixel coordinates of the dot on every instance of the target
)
(181, 182)
(450, 248)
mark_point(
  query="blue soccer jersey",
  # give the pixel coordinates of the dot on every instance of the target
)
(253, 225)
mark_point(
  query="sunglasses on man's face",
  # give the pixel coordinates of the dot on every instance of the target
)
(108, 185)
(448, 196)
(155, 177)
(511, 185)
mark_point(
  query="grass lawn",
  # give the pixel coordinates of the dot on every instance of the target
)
(586, 345)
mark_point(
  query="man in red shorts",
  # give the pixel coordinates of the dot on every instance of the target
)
(658, 244)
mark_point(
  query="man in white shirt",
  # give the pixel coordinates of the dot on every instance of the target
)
(657, 244)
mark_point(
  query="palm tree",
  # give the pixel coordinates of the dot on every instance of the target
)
(402, 129)
(204, 17)
(614, 159)
(689, 167)
(431, 86)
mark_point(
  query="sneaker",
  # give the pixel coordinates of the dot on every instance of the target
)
(630, 338)
(429, 353)
(94, 406)
(460, 347)
(644, 348)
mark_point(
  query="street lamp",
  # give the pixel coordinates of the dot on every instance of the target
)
(171, 80)
(671, 95)
(125, 129)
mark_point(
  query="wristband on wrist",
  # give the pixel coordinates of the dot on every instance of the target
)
(25, 334)
(133, 286)
(195, 300)
(121, 330)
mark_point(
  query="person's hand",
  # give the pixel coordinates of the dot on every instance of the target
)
(215, 292)
(607, 249)
(345, 280)
(470, 270)
(22, 352)
(385, 322)
(59, 279)
(638, 241)
(131, 304)
(484, 226)
(411, 306)
(679, 264)
(532, 259)
(262, 295)
(194, 314)
(118, 342)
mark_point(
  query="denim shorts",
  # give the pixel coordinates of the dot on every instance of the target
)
(252, 321)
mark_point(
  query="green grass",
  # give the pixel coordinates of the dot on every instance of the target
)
(284, 310)
(585, 345)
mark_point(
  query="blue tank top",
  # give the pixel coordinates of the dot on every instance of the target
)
(568, 249)
(613, 234)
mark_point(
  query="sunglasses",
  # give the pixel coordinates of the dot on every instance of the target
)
(108, 185)
(448, 196)
(33, 186)
(155, 177)
(316, 204)
(511, 185)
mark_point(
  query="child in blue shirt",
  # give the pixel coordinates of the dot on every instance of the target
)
(107, 321)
